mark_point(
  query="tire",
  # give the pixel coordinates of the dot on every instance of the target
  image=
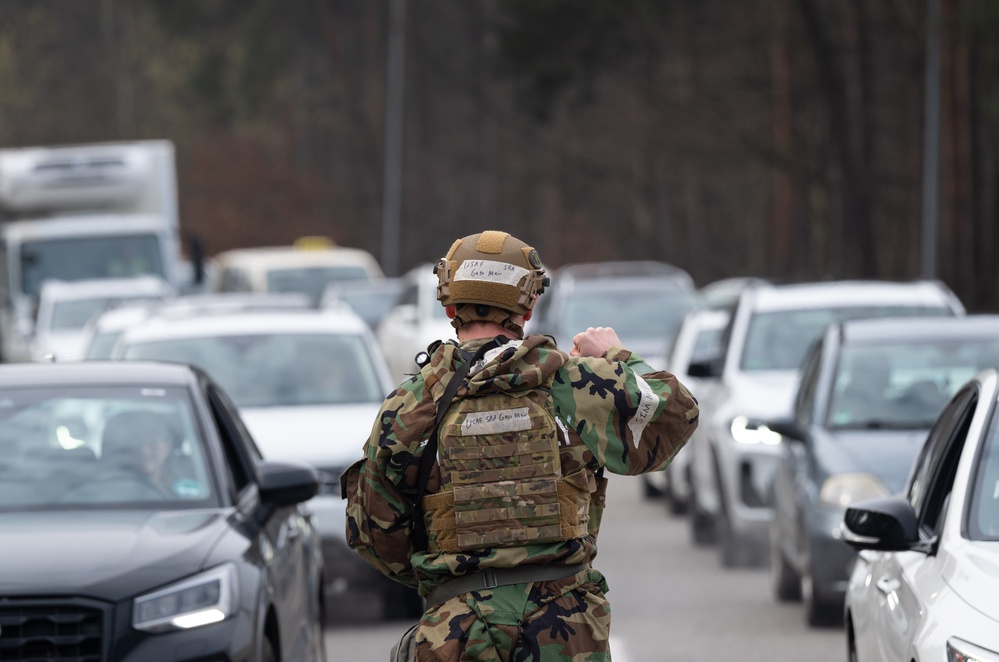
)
(702, 524)
(674, 504)
(731, 551)
(649, 490)
(820, 611)
(785, 585)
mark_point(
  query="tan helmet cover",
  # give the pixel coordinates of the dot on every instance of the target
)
(491, 268)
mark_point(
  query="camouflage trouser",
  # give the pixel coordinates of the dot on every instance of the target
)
(565, 620)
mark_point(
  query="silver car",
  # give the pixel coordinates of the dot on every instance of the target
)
(733, 456)
(869, 393)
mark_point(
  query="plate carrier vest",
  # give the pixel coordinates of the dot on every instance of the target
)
(501, 476)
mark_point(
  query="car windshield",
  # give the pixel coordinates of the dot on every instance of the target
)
(903, 384)
(311, 280)
(778, 340)
(82, 258)
(707, 345)
(94, 446)
(983, 510)
(634, 312)
(277, 370)
(372, 304)
(101, 344)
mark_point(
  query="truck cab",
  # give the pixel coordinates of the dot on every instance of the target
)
(82, 212)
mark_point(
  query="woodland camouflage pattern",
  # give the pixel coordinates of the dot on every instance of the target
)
(614, 417)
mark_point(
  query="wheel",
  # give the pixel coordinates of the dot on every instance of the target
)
(784, 582)
(819, 610)
(674, 504)
(650, 491)
(731, 550)
(702, 524)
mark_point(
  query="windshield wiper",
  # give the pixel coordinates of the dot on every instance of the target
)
(885, 425)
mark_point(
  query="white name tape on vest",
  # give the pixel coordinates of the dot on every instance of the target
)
(490, 271)
(647, 403)
(497, 422)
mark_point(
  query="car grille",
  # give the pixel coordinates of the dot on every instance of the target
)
(64, 631)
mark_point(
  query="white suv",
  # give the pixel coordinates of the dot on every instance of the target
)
(771, 328)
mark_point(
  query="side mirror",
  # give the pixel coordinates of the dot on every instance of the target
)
(710, 368)
(285, 484)
(887, 525)
(787, 429)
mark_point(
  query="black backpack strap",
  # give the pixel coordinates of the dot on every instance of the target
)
(429, 456)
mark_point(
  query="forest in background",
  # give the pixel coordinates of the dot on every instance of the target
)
(775, 138)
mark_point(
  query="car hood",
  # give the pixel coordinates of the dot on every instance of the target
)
(760, 395)
(110, 555)
(64, 346)
(972, 571)
(887, 454)
(327, 436)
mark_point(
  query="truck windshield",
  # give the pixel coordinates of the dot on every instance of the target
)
(78, 258)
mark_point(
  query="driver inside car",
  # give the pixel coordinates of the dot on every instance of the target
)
(145, 443)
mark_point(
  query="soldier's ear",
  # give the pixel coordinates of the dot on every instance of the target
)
(450, 311)
(528, 314)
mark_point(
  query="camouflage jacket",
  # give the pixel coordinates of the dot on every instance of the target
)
(616, 412)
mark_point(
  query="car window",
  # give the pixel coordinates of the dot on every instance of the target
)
(311, 280)
(805, 399)
(983, 513)
(93, 446)
(933, 473)
(707, 345)
(778, 340)
(634, 312)
(277, 370)
(237, 444)
(903, 384)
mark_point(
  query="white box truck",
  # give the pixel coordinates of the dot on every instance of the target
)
(75, 212)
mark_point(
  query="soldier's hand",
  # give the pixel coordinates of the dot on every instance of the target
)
(594, 341)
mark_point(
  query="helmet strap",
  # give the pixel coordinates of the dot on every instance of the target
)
(472, 312)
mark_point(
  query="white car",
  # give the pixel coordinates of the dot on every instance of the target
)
(308, 384)
(417, 320)
(306, 267)
(926, 584)
(698, 339)
(734, 457)
(64, 308)
(644, 301)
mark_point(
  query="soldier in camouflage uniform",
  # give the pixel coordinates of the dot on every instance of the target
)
(513, 500)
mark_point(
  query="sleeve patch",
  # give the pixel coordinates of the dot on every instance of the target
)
(646, 409)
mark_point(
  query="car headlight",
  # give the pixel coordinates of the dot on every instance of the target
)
(842, 490)
(200, 600)
(745, 432)
(961, 651)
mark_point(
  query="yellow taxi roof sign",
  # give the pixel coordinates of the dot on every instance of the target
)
(313, 243)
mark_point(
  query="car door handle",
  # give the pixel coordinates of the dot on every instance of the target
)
(887, 586)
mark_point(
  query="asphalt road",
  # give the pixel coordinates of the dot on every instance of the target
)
(670, 600)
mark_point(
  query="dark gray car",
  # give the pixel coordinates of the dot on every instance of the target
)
(868, 395)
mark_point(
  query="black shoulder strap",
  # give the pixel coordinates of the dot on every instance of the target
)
(429, 456)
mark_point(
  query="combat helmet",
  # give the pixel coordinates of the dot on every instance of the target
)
(489, 277)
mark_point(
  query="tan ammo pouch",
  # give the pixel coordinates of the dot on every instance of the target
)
(405, 649)
(596, 506)
(566, 519)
